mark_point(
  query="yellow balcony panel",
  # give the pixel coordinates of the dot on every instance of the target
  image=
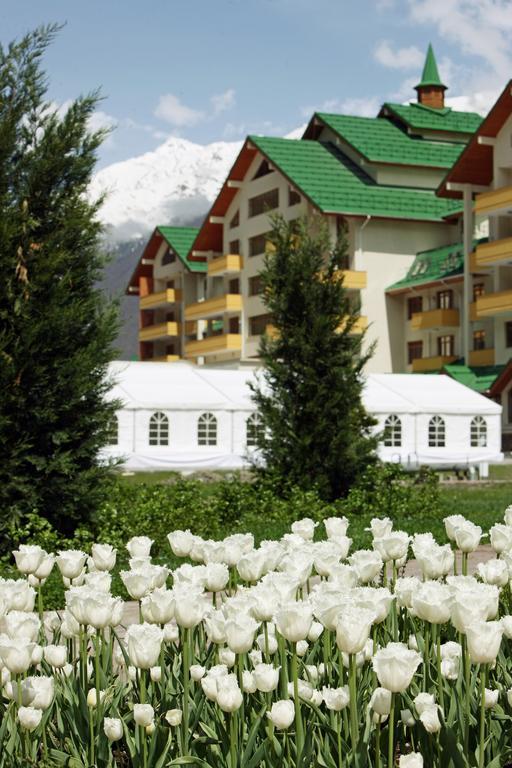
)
(435, 318)
(225, 265)
(159, 331)
(359, 326)
(495, 201)
(481, 357)
(219, 305)
(472, 312)
(424, 364)
(354, 280)
(160, 299)
(495, 252)
(494, 304)
(165, 359)
(213, 345)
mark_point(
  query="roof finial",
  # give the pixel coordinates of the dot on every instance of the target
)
(431, 89)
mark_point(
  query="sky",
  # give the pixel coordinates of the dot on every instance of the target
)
(216, 70)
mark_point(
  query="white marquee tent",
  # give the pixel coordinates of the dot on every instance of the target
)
(178, 416)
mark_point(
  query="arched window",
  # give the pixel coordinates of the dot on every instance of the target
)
(393, 432)
(478, 432)
(436, 432)
(113, 431)
(255, 430)
(159, 429)
(207, 429)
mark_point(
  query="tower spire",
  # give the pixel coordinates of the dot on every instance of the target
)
(431, 89)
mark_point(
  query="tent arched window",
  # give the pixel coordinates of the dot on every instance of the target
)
(254, 430)
(159, 429)
(478, 432)
(393, 431)
(113, 431)
(207, 429)
(436, 432)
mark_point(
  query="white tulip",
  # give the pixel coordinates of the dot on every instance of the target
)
(282, 714)
(392, 546)
(367, 564)
(467, 536)
(501, 537)
(432, 602)
(28, 558)
(104, 556)
(21, 624)
(45, 567)
(240, 633)
(139, 546)
(494, 572)
(266, 677)
(451, 522)
(181, 542)
(304, 528)
(155, 674)
(491, 698)
(217, 576)
(407, 718)
(174, 716)
(450, 668)
(29, 717)
(424, 701)
(353, 628)
(92, 699)
(113, 728)
(405, 588)
(17, 595)
(302, 647)
(197, 672)
(248, 682)
(380, 701)
(229, 695)
(336, 527)
(294, 620)
(395, 666)
(191, 606)
(56, 655)
(16, 655)
(227, 657)
(506, 623)
(144, 643)
(412, 760)
(430, 719)
(380, 527)
(484, 640)
(158, 606)
(305, 690)
(336, 699)
(143, 714)
(71, 562)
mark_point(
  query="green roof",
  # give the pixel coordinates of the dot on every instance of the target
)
(429, 266)
(430, 75)
(381, 140)
(180, 239)
(419, 116)
(479, 378)
(334, 184)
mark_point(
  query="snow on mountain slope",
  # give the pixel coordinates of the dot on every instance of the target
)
(174, 184)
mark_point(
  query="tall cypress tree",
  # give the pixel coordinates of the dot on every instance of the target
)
(56, 328)
(316, 430)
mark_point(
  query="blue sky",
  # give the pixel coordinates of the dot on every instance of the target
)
(215, 70)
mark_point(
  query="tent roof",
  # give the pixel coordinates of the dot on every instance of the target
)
(183, 386)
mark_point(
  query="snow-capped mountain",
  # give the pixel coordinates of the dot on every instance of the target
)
(174, 184)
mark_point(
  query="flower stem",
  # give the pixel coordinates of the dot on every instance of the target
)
(391, 734)
(481, 744)
(438, 659)
(298, 719)
(186, 676)
(142, 729)
(340, 753)
(233, 739)
(353, 702)
(377, 745)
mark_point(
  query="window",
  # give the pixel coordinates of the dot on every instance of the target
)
(478, 339)
(263, 170)
(445, 346)
(257, 245)
(478, 432)
(169, 257)
(414, 350)
(234, 246)
(255, 286)
(258, 324)
(414, 305)
(234, 325)
(234, 285)
(235, 221)
(113, 431)
(159, 429)
(508, 334)
(393, 431)
(445, 299)
(293, 197)
(436, 432)
(207, 429)
(478, 290)
(264, 202)
(254, 430)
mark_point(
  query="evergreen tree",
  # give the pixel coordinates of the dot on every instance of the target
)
(316, 430)
(56, 327)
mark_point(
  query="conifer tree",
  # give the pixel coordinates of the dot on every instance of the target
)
(316, 432)
(56, 327)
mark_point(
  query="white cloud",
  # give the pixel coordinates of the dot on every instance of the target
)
(100, 120)
(223, 101)
(399, 58)
(171, 110)
(364, 106)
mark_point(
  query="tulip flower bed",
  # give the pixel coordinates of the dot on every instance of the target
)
(293, 653)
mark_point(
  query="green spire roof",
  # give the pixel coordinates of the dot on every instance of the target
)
(430, 74)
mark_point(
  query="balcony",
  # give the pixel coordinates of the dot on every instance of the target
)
(425, 364)
(497, 201)
(495, 252)
(359, 326)
(354, 280)
(435, 318)
(473, 315)
(481, 357)
(213, 345)
(229, 264)
(164, 359)
(160, 299)
(494, 304)
(228, 303)
(159, 331)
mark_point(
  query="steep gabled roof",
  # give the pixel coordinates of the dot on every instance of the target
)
(382, 141)
(480, 378)
(179, 239)
(334, 184)
(420, 117)
(432, 266)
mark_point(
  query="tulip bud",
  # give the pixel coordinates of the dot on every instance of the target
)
(491, 698)
(380, 701)
(227, 657)
(155, 674)
(56, 655)
(302, 647)
(197, 672)
(407, 718)
(430, 719)
(266, 677)
(150, 729)
(132, 674)
(282, 714)
(174, 716)
(143, 714)
(336, 699)
(113, 728)
(412, 760)
(91, 698)
(248, 682)
(29, 717)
